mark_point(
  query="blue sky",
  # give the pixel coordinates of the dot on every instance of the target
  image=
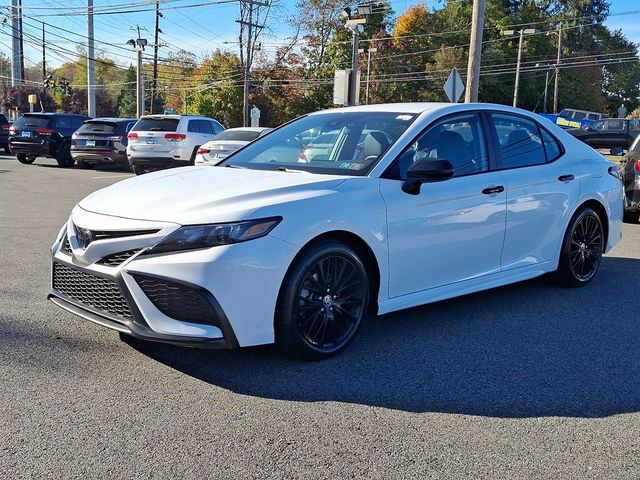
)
(199, 30)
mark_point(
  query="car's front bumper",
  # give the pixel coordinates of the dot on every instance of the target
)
(239, 284)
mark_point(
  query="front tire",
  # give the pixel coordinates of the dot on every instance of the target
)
(27, 160)
(582, 249)
(7, 149)
(64, 158)
(322, 302)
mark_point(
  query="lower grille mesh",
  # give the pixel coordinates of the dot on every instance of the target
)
(97, 292)
(176, 300)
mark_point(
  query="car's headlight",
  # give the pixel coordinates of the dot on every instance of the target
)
(192, 237)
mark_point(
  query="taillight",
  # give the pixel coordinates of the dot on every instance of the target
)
(175, 137)
(302, 158)
(132, 136)
(637, 165)
(44, 131)
(202, 151)
(5, 126)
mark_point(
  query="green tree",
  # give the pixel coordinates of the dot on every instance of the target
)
(126, 102)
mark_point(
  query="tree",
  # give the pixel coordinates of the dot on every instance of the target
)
(126, 102)
(18, 97)
(76, 102)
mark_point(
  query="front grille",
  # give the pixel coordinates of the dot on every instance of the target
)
(176, 300)
(97, 292)
(107, 234)
(116, 259)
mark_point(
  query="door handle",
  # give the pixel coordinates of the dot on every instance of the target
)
(566, 178)
(490, 190)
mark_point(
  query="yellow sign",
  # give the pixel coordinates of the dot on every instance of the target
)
(567, 123)
(33, 99)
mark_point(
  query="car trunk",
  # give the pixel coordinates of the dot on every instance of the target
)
(96, 136)
(32, 128)
(154, 135)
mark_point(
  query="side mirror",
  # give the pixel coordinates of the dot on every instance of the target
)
(616, 151)
(426, 171)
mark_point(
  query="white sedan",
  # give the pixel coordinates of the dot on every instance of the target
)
(265, 249)
(227, 142)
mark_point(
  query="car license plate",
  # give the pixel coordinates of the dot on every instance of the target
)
(91, 143)
(150, 141)
(26, 134)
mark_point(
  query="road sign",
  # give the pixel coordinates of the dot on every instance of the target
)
(622, 112)
(169, 111)
(454, 87)
(254, 113)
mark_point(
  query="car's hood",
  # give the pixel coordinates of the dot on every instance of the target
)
(191, 195)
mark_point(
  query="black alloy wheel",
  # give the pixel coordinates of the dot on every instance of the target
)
(23, 158)
(582, 249)
(139, 170)
(323, 302)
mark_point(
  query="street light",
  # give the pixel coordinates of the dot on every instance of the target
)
(556, 85)
(523, 32)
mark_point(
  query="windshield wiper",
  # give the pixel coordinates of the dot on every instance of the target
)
(235, 166)
(290, 170)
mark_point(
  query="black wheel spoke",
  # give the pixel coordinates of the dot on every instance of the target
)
(331, 301)
(585, 248)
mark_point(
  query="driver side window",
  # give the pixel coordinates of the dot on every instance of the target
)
(458, 139)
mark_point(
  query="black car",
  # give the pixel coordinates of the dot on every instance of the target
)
(4, 133)
(102, 141)
(631, 179)
(43, 134)
(609, 133)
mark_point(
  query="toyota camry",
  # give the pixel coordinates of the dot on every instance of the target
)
(408, 204)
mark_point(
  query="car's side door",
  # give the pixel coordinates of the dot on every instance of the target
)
(452, 230)
(543, 184)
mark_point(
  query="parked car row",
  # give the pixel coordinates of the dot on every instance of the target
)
(150, 143)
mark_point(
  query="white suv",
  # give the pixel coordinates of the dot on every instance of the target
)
(165, 141)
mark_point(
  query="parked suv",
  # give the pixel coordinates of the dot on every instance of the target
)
(165, 141)
(44, 135)
(102, 141)
(4, 133)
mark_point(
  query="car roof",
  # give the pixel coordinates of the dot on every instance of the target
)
(176, 116)
(248, 129)
(111, 119)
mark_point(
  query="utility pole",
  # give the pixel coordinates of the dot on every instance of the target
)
(353, 78)
(557, 81)
(369, 51)
(91, 72)
(16, 73)
(522, 32)
(247, 19)
(21, 42)
(475, 52)
(138, 46)
(44, 61)
(517, 84)
(154, 85)
(546, 88)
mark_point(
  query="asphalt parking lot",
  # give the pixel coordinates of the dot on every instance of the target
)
(525, 381)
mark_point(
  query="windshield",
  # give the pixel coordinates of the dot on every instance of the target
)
(339, 143)
(242, 135)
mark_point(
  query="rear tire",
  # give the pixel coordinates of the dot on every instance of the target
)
(27, 160)
(139, 170)
(64, 158)
(322, 302)
(582, 249)
(631, 217)
(83, 165)
(7, 149)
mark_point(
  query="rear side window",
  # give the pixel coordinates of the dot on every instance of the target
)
(156, 125)
(193, 126)
(62, 122)
(519, 140)
(98, 127)
(217, 128)
(205, 127)
(552, 148)
(593, 116)
(615, 125)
